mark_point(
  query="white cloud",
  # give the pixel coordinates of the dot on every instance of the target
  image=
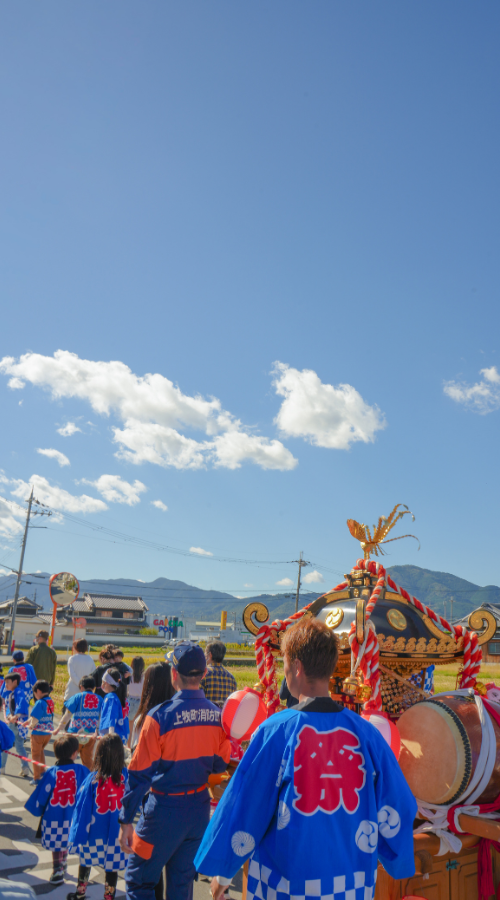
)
(68, 429)
(313, 578)
(153, 413)
(285, 582)
(248, 585)
(159, 505)
(235, 447)
(200, 551)
(325, 415)
(59, 457)
(56, 496)
(10, 514)
(482, 397)
(116, 490)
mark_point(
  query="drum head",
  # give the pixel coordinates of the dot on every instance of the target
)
(435, 752)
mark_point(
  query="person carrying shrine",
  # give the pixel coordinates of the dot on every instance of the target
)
(318, 797)
(180, 744)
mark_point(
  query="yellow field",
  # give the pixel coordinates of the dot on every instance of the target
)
(244, 677)
(444, 676)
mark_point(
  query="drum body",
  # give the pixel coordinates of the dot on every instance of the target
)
(440, 745)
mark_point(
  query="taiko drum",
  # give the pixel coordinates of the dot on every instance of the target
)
(440, 745)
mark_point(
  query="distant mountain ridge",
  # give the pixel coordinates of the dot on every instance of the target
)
(166, 596)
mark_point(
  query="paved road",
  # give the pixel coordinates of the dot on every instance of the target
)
(23, 859)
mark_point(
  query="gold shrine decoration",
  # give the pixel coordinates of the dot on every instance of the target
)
(371, 544)
(261, 614)
(476, 621)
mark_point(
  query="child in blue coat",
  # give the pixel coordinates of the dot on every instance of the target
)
(26, 671)
(54, 800)
(41, 724)
(84, 710)
(114, 712)
(17, 713)
(95, 827)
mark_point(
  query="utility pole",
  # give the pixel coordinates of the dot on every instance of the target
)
(451, 610)
(20, 573)
(301, 562)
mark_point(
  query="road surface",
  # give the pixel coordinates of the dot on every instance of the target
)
(23, 859)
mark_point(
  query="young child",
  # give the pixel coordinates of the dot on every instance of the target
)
(95, 827)
(6, 740)
(41, 723)
(114, 708)
(54, 800)
(84, 710)
(26, 671)
(16, 714)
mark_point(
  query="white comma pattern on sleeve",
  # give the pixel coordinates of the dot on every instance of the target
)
(242, 843)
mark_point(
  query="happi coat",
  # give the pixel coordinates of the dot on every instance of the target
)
(28, 677)
(6, 737)
(114, 715)
(17, 704)
(85, 709)
(95, 827)
(317, 799)
(54, 799)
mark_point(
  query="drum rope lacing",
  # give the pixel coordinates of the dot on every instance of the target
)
(437, 814)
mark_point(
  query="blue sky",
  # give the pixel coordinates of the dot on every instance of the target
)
(196, 196)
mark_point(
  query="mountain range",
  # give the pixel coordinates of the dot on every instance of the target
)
(167, 597)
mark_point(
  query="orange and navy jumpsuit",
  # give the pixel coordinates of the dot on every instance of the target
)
(181, 743)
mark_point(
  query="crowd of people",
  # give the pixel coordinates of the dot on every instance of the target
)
(315, 794)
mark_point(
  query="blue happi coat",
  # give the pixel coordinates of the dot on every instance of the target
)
(17, 704)
(85, 709)
(317, 799)
(114, 716)
(54, 800)
(28, 677)
(95, 827)
(7, 737)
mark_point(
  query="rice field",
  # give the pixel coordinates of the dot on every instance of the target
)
(445, 677)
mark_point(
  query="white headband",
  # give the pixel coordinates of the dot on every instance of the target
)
(110, 680)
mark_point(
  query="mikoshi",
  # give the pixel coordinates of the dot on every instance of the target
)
(448, 744)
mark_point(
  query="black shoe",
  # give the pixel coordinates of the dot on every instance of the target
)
(57, 876)
(75, 896)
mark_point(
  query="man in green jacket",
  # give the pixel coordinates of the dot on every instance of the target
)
(43, 658)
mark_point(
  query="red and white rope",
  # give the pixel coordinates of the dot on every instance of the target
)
(369, 663)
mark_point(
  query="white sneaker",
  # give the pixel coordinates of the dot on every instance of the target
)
(24, 773)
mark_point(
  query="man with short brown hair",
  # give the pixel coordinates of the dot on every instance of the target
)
(43, 658)
(317, 798)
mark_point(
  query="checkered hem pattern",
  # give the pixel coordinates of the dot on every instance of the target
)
(108, 856)
(264, 884)
(55, 835)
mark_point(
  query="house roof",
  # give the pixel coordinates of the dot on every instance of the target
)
(493, 608)
(90, 602)
(26, 601)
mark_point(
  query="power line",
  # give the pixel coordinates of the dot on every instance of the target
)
(123, 537)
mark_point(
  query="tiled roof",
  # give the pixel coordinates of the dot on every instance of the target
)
(108, 601)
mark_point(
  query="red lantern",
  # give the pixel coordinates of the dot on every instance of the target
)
(242, 714)
(387, 729)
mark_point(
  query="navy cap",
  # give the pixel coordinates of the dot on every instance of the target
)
(187, 658)
(18, 656)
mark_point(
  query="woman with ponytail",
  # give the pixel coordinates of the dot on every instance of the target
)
(114, 708)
